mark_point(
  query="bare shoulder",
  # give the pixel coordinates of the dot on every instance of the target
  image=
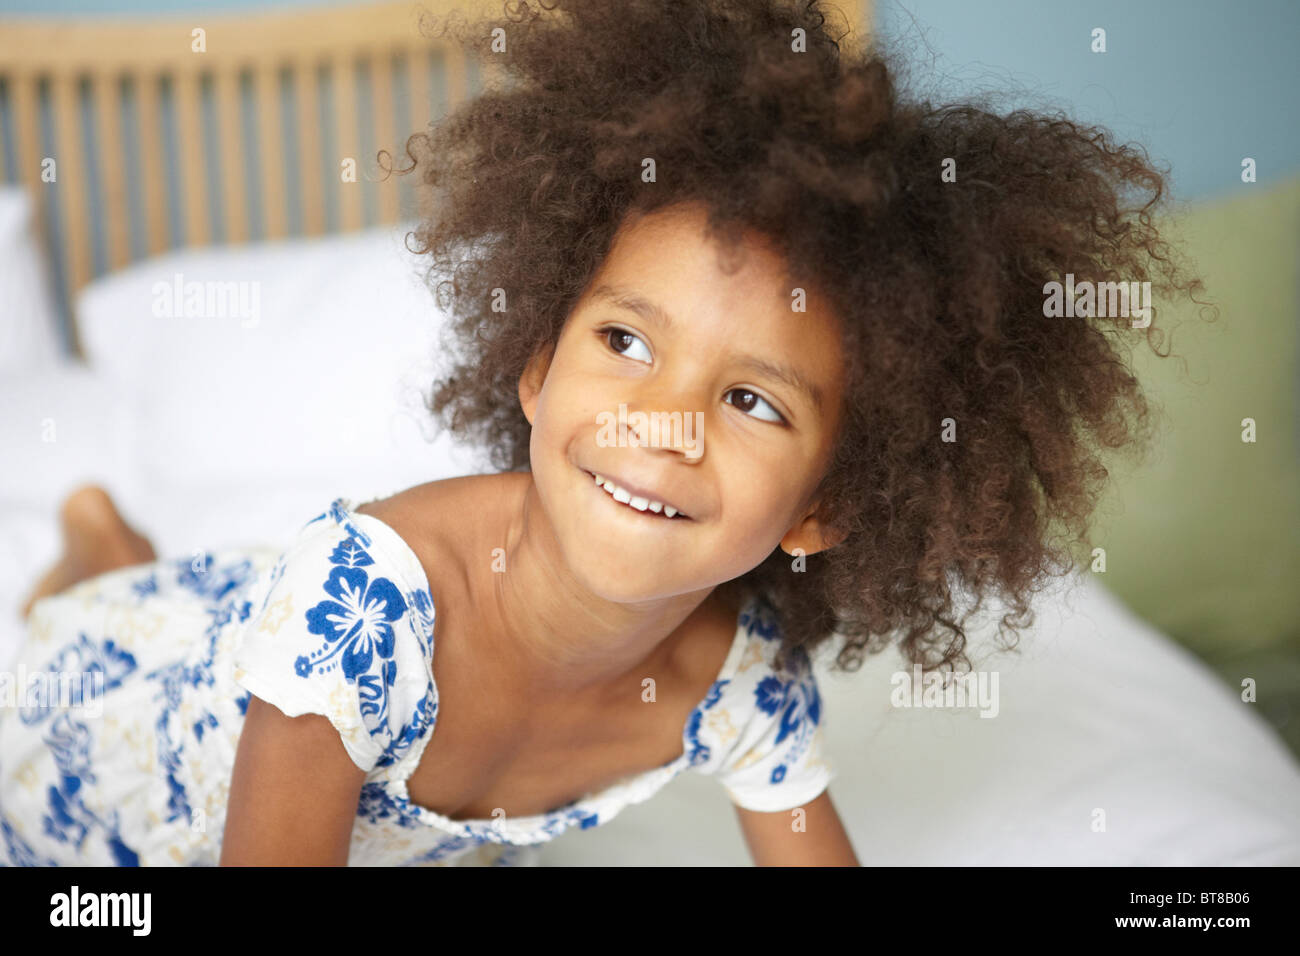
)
(437, 519)
(436, 506)
(401, 507)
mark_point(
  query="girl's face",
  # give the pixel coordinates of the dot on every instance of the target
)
(755, 385)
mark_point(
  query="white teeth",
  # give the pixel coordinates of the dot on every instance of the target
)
(636, 501)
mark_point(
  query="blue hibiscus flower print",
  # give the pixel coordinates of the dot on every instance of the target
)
(800, 709)
(797, 700)
(357, 618)
(79, 664)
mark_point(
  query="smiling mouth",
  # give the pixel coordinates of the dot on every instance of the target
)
(644, 506)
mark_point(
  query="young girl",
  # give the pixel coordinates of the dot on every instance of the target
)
(816, 313)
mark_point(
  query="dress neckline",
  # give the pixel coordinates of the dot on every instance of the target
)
(586, 810)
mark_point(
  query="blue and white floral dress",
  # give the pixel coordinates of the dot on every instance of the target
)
(339, 624)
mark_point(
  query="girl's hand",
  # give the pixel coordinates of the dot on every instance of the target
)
(293, 793)
(773, 839)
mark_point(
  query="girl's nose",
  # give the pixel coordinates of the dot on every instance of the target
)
(671, 428)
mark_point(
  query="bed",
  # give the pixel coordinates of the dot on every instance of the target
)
(220, 431)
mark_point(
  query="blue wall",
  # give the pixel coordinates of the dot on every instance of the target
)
(1200, 83)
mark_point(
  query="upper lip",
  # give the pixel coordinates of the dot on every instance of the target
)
(636, 490)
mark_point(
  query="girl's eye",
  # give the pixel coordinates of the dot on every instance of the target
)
(623, 336)
(616, 337)
(775, 415)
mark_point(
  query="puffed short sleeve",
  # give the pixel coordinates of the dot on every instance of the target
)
(339, 632)
(778, 761)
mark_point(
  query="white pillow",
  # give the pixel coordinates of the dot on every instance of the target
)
(29, 319)
(299, 362)
(62, 426)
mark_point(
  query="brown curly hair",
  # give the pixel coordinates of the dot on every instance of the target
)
(940, 284)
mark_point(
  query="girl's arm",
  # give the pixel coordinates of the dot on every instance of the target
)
(774, 840)
(293, 793)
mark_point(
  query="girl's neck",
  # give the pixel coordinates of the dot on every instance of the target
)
(539, 630)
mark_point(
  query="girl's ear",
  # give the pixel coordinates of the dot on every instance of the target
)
(810, 535)
(530, 382)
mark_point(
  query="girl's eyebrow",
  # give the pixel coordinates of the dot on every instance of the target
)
(652, 312)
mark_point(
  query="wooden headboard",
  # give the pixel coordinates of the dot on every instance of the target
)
(135, 136)
(125, 109)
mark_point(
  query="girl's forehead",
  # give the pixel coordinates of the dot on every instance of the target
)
(733, 243)
(671, 253)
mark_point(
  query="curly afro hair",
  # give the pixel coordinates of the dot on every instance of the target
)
(757, 109)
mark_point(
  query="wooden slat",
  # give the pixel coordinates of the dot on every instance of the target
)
(230, 133)
(108, 124)
(188, 110)
(454, 59)
(271, 153)
(309, 147)
(418, 82)
(153, 181)
(28, 150)
(346, 136)
(419, 86)
(384, 110)
(4, 162)
(69, 155)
